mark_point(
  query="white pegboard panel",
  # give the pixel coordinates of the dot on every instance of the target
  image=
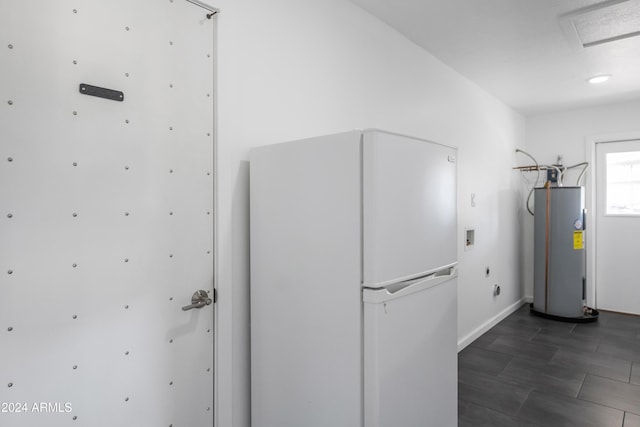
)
(106, 213)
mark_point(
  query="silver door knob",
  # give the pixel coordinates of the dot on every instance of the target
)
(198, 300)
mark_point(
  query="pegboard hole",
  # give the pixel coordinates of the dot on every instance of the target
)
(10, 272)
(9, 159)
(10, 46)
(10, 102)
(9, 215)
(10, 328)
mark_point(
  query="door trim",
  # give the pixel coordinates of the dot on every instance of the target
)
(216, 209)
(590, 203)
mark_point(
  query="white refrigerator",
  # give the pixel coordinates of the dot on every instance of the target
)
(353, 282)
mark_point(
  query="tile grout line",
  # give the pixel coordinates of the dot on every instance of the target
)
(535, 334)
(602, 404)
(514, 415)
(517, 414)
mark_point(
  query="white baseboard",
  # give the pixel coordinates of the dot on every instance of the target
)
(476, 333)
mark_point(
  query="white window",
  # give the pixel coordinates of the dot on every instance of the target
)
(623, 183)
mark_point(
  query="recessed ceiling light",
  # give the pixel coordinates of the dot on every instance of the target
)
(599, 79)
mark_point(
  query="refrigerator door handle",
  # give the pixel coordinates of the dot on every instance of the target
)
(397, 290)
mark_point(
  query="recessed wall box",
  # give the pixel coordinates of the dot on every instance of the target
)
(470, 238)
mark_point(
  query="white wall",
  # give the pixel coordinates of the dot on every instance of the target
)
(566, 133)
(290, 69)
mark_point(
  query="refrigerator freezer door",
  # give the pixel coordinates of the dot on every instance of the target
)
(409, 199)
(410, 358)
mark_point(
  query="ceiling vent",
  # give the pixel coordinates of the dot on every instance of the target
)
(602, 23)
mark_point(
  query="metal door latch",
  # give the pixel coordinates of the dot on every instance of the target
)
(198, 300)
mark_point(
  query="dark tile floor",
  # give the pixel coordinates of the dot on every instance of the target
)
(530, 371)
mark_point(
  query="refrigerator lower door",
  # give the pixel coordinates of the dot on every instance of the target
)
(410, 354)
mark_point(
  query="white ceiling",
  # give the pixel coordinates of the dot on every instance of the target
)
(528, 53)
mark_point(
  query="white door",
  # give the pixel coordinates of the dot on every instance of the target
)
(618, 226)
(106, 213)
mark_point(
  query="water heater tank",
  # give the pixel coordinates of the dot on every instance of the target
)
(559, 288)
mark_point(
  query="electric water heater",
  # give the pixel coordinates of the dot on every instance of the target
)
(559, 288)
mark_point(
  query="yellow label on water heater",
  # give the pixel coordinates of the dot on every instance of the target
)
(578, 240)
